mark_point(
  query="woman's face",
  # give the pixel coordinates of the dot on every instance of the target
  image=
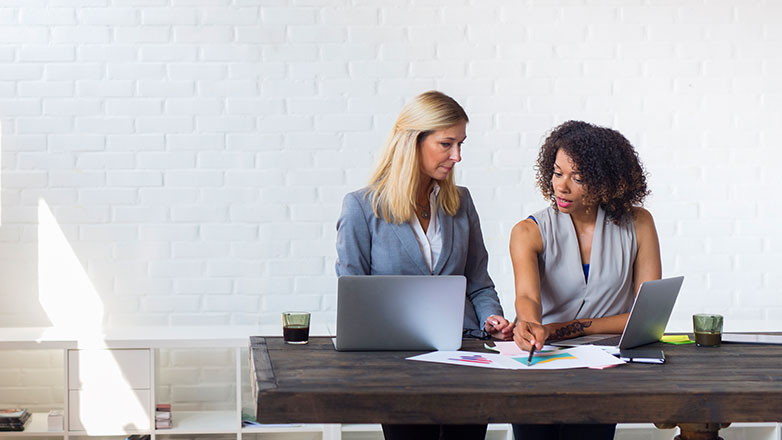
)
(439, 151)
(567, 184)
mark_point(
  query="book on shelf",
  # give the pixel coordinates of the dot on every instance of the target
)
(54, 420)
(14, 419)
(163, 416)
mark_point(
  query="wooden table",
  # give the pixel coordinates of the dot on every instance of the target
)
(699, 389)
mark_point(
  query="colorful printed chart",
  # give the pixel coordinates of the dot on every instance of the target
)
(547, 359)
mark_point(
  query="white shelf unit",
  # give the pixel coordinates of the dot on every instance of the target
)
(226, 424)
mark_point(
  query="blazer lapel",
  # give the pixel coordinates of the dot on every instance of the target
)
(405, 234)
(446, 229)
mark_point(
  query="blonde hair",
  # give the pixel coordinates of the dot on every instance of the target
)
(397, 174)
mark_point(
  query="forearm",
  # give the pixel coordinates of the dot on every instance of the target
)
(589, 326)
(528, 310)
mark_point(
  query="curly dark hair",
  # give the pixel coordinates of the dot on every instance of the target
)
(610, 170)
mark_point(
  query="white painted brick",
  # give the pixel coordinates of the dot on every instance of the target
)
(399, 16)
(189, 142)
(155, 88)
(225, 124)
(230, 16)
(254, 178)
(38, 125)
(47, 53)
(81, 34)
(224, 160)
(104, 53)
(47, 16)
(359, 34)
(20, 107)
(311, 141)
(288, 16)
(169, 16)
(199, 249)
(46, 161)
(113, 16)
(231, 303)
(82, 71)
(174, 269)
(165, 160)
(199, 319)
(288, 301)
(105, 88)
(197, 71)
(24, 35)
(254, 141)
(349, 15)
(203, 34)
(238, 53)
(158, 53)
(255, 251)
(104, 125)
(71, 107)
(242, 88)
(108, 233)
(261, 35)
(136, 142)
(199, 214)
(203, 286)
(178, 106)
(384, 69)
(164, 124)
(178, 303)
(136, 71)
(257, 106)
(134, 178)
(49, 89)
(316, 34)
(343, 122)
(133, 106)
(285, 124)
(232, 268)
(107, 196)
(138, 214)
(259, 212)
(193, 178)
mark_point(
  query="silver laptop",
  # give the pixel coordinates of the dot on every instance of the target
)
(400, 312)
(648, 317)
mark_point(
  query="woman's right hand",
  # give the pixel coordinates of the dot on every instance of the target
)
(528, 333)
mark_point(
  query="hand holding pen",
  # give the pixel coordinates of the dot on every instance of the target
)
(530, 336)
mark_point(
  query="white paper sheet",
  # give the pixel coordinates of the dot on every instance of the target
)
(554, 359)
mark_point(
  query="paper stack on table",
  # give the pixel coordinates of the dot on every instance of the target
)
(549, 358)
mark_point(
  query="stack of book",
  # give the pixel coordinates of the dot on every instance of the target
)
(14, 419)
(163, 416)
(54, 420)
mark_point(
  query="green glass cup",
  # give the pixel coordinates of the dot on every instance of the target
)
(708, 329)
(296, 327)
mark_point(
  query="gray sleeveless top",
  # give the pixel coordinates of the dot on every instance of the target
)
(565, 294)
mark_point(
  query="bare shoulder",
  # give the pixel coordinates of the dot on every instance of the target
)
(644, 225)
(526, 235)
(642, 217)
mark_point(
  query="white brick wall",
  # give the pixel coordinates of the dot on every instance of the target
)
(194, 154)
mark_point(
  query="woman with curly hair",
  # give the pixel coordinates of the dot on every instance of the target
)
(578, 263)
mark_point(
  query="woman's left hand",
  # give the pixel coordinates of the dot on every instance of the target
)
(499, 328)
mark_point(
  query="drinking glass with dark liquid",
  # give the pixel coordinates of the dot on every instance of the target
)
(708, 330)
(296, 327)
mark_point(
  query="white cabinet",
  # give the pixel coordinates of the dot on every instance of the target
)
(109, 391)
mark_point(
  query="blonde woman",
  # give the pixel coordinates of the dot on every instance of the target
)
(412, 219)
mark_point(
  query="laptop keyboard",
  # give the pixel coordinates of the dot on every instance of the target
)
(611, 342)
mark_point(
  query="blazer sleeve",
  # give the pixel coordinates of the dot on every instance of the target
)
(354, 240)
(480, 287)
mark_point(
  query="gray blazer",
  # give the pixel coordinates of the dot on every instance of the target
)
(368, 245)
